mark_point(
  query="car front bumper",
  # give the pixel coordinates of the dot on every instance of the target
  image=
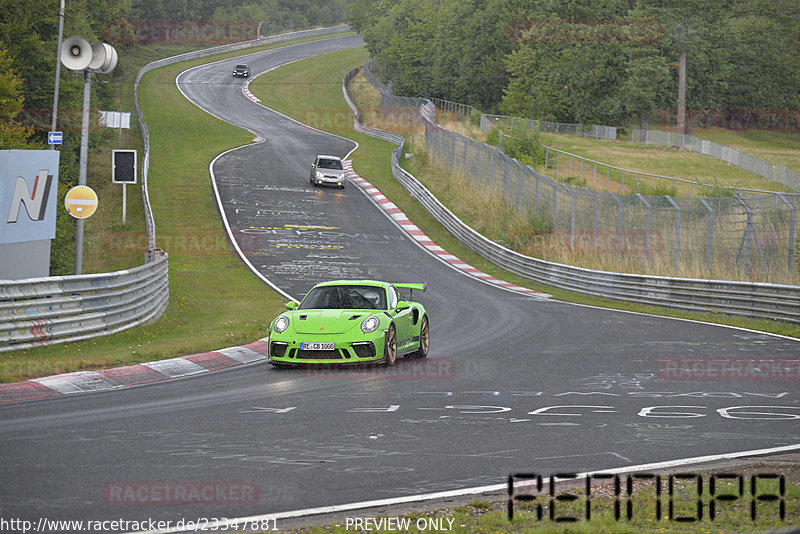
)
(364, 348)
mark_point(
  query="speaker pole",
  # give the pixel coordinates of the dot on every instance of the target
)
(87, 94)
(53, 124)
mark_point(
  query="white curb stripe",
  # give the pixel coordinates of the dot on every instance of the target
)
(241, 354)
(175, 367)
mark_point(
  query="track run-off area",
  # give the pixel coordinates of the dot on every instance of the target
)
(513, 383)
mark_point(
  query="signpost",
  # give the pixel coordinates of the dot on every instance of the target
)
(123, 172)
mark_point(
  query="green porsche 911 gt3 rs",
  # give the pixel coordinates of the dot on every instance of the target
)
(348, 322)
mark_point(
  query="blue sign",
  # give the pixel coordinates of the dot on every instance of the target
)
(55, 138)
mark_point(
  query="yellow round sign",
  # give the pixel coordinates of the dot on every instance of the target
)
(81, 201)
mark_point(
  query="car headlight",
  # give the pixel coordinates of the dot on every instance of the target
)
(370, 324)
(281, 324)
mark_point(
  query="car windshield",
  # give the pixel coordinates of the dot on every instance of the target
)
(345, 297)
(330, 164)
(241, 67)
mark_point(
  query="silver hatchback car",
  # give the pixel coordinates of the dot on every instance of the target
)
(327, 170)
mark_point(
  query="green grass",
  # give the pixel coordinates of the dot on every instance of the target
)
(653, 160)
(215, 301)
(306, 91)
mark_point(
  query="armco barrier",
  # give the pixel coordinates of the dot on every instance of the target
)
(757, 300)
(60, 309)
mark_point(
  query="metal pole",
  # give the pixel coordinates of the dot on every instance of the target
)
(53, 123)
(677, 244)
(87, 92)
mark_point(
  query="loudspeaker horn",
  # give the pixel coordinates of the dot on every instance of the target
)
(76, 53)
(111, 59)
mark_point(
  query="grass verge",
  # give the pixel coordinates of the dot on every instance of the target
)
(215, 301)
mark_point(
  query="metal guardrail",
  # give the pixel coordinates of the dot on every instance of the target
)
(61, 309)
(750, 299)
(763, 168)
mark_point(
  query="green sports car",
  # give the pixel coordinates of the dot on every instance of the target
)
(350, 322)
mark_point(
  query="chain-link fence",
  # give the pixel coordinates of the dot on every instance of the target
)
(730, 237)
(765, 169)
(504, 122)
(741, 233)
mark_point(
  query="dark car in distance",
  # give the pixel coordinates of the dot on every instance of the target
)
(241, 70)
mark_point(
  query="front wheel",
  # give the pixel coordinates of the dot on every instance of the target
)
(391, 347)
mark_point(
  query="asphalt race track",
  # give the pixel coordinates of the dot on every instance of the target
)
(512, 383)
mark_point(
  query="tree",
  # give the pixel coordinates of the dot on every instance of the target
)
(647, 85)
(12, 134)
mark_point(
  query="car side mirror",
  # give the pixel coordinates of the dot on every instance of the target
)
(402, 305)
(291, 305)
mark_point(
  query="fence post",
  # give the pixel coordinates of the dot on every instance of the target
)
(792, 221)
(453, 155)
(677, 246)
(555, 193)
(572, 221)
(546, 157)
(491, 168)
(479, 149)
(647, 227)
(595, 219)
(749, 233)
(710, 245)
(619, 220)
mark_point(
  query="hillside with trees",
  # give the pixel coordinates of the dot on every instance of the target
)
(604, 62)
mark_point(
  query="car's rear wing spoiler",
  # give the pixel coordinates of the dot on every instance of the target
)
(412, 287)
